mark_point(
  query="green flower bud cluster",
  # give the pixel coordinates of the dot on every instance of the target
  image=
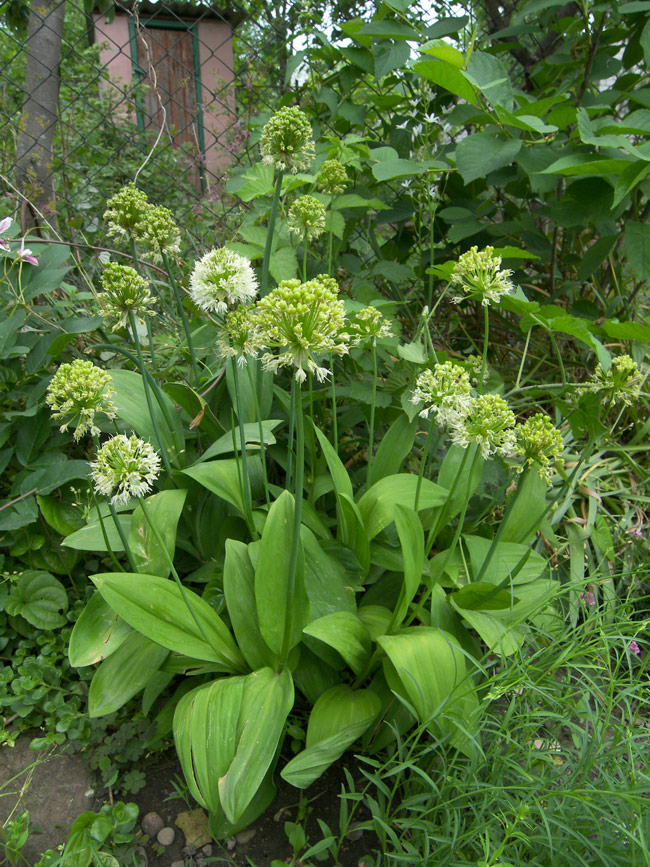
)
(540, 443)
(77, 393)
(620, 384)
(286, 142)
(222, 279)
(307, 217)
(158, 232)
(125, 467)
(239, 335)
(489, 422)
(302, 320)
(125, 291)
(126, 210)
(446, 393)
(480, 277)
(332, 178)
(369, 326)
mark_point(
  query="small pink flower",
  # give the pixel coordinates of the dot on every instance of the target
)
(25, 254)
(588, 598)
(4, 225)
(634, 648)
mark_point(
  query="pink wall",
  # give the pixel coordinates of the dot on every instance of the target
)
(217, 74)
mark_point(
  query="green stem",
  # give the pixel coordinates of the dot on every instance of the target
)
(111, 553)
(154, 423)
(304, 256)
(268, 247)
(246, 484)
(292, 425)
(297, 510)
(330, 242)
(136, 265)
(523, 359)
(442, 514)
(423, 463)
(183, 315)
(486, 331)
(260, 427)
(371, 431)
(122, 536)
(335, 421)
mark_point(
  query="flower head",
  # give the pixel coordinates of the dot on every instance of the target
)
(588, 598)
(125, 291)
(489, 422)
(332, 177)
(474, 366)
(302, 320)
(369, 326)
(125, 467)
(4, 225)
(158, 231)
(126, 210)
(620, 384)
(307, 217)
(221, 279)
(445, 392)
(540, 443)
(286, 142)
(480, 277)
(77, 392)
(634, 648)
(24, 254)
(239, 335)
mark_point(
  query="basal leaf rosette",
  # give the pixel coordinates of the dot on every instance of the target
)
(222, 279)
(77, 393)
(302, 321)
(125, 467)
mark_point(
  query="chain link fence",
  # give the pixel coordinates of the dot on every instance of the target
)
(160, 92)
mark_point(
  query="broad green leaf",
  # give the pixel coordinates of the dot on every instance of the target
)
(389, 56)
(484, 597)
(352, 530)
(98, 632)
(377, 505)
(156, 607)
(411, 538)
(282, 605)
(389, 28)
(586, 164)
(133, 413)
(259, 182)
(629, 179)
(446, 76)
(482, 153)
(59, 473)
(163, 511)
(507, 557)
(338, 718)
(340, 477)
(454, 477)
(636, 248)
(283, 264)
(394, 448)
(376, 619)
(224, 445)
(401, 168)
(203, 419)
(442, 50)
(325, 579)
(222, 478)
(525, 518)
(313, 676)
(239, 590)
(266, 701)
(490, 76)
(354, 200)
(346, 633)
(428, 668)
(91, 537)
(40, 599)
(64, 517)
(124, 674)
(596, 255)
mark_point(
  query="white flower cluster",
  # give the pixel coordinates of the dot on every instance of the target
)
(77, 392)
(222, 279)
(125, 467)
(479, 275)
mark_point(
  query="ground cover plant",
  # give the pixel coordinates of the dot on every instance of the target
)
(380, 492)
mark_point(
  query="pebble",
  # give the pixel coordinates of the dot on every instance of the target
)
(166, 836)
(152, 823)
(207, 850)
(244, 837)
(178, 864)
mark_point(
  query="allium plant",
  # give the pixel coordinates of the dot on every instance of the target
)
(77, 393)
(446, 392)
(489, 422)
(306, 217)
(303, 321)
(332, 178)
(221, 280)
(480, 277)
(540, 444)
(125, 293)
(124, 468)
(368, 326)
(126, 210)
(621, 383)
(239, 335)
(158, 232)
(286, 142)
